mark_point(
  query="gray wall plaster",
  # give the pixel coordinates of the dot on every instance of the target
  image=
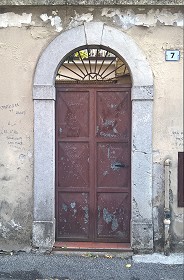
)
(158, 205)
(15, 233)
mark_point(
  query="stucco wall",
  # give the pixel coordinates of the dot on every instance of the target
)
(24, 34)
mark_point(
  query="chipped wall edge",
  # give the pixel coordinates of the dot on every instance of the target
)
(91, 2)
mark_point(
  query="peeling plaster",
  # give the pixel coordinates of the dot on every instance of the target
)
(179, 217)
(55, 20)
(80, 19)
(3, 230)
(128, 18)
(6, 230)
(12, 19)
(15, 225)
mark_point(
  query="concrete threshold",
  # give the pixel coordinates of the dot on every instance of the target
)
(172, 259)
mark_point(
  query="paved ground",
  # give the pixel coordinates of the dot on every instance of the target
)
(31, 266)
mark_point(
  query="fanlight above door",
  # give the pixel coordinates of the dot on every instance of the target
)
(92, 64)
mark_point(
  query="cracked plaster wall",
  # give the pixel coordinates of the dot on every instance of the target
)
(25, 33)
(66, 18)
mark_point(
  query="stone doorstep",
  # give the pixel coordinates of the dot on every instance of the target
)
(93, 249)
(94, 254)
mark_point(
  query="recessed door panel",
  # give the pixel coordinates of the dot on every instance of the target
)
(73, 165)
(113, 114)
(73, 215)
(73, 114)
(113, 216)
(113, 165)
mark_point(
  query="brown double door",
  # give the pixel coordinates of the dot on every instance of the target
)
(93, 137)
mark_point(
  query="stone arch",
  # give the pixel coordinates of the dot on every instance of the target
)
(44, 128)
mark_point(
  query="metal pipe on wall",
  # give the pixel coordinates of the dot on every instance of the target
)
(167, 211)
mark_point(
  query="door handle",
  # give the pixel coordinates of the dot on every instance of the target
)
(119, 165)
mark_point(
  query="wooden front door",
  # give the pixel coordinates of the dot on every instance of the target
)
(93, 140)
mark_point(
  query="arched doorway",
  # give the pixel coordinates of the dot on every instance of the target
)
(93, 147)
(44, 96)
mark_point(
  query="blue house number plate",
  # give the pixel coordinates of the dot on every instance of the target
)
(172, 55)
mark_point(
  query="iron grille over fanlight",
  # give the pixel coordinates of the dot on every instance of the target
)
(92, 64)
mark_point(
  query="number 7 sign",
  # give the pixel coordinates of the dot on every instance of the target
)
(172, 55)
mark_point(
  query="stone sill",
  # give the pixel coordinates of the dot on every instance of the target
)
(91, 2)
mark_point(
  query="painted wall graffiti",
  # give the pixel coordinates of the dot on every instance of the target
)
(177, 139)
(10, 131)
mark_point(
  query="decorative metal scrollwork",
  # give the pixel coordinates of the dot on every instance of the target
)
(92, 64)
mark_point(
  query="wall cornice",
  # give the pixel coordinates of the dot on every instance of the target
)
(91, 2)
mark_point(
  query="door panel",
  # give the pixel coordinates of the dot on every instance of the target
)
(113, 217)
(113, 114)
(73, 215)
(113, 165)
(73, 165)
(73, 114)
(93, 125)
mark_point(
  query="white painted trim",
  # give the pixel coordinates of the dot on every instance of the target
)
(44, 127)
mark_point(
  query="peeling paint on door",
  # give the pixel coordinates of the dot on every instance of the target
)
(77, 189)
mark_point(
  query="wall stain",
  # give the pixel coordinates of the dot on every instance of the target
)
(6, 178)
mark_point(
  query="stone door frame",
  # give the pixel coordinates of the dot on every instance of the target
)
(44, 96)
